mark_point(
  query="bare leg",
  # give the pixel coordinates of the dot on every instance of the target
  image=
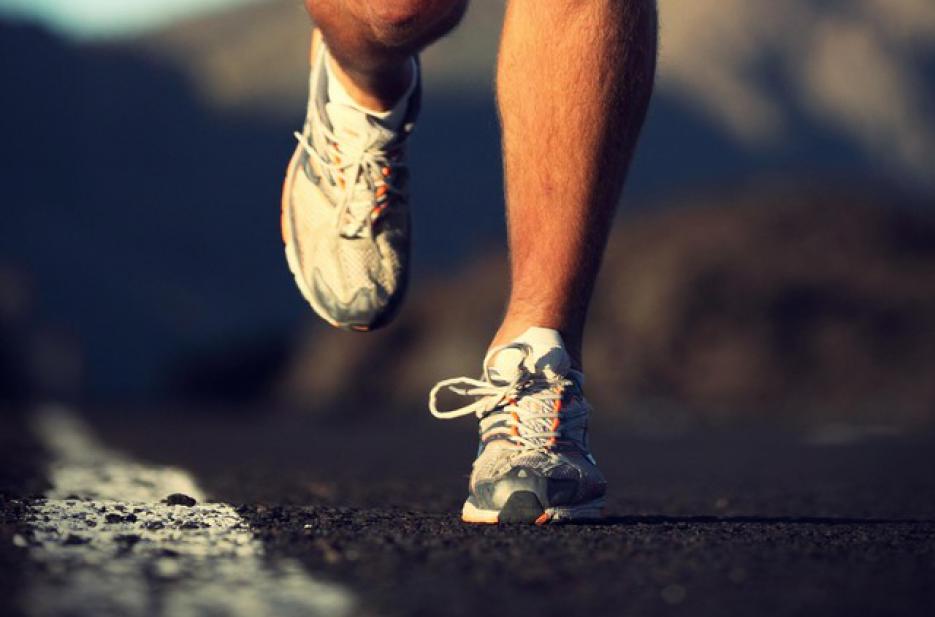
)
(372, 41)
(574, 78)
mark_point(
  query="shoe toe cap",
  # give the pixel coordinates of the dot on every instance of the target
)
(364, 309)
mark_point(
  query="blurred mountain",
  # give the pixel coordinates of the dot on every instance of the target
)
(141, 177)
(861, 70)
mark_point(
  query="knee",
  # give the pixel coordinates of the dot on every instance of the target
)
(393, 21)
(400, 13)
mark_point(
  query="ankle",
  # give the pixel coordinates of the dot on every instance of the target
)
(514, 327)
(378, 89)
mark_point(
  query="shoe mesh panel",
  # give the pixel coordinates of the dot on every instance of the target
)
(392, 268)
(356, 260)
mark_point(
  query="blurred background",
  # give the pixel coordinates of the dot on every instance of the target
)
(773, 260)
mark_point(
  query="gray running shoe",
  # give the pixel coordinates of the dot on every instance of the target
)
(345, 211)
(534, 464)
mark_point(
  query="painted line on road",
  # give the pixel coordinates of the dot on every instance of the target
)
(107, 546)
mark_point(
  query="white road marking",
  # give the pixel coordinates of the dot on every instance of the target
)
(108, 547)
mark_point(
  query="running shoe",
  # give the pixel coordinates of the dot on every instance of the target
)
(345, 209)
(534, 464)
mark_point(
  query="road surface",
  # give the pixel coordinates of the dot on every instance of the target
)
(294, 516)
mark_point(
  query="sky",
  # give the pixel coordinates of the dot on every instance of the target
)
(106, 18)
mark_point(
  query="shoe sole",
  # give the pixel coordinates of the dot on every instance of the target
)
(520, 509)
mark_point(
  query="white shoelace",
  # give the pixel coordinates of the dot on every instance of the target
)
(357, 207)
(526, 410)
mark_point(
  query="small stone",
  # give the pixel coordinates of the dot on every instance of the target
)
(154, 525)
(180, 499)
(73, 540)
(113, 518)
(20, 541)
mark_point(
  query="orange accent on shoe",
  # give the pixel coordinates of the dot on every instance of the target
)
(556, 422)
(381, 190)
(543, 518)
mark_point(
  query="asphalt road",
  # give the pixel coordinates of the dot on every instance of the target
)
(360, 518)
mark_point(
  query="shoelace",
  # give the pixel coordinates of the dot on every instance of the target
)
(376, 167)
(528, 410)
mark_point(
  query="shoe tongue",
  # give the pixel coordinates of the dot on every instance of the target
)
(547, 356)
(357, 129)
